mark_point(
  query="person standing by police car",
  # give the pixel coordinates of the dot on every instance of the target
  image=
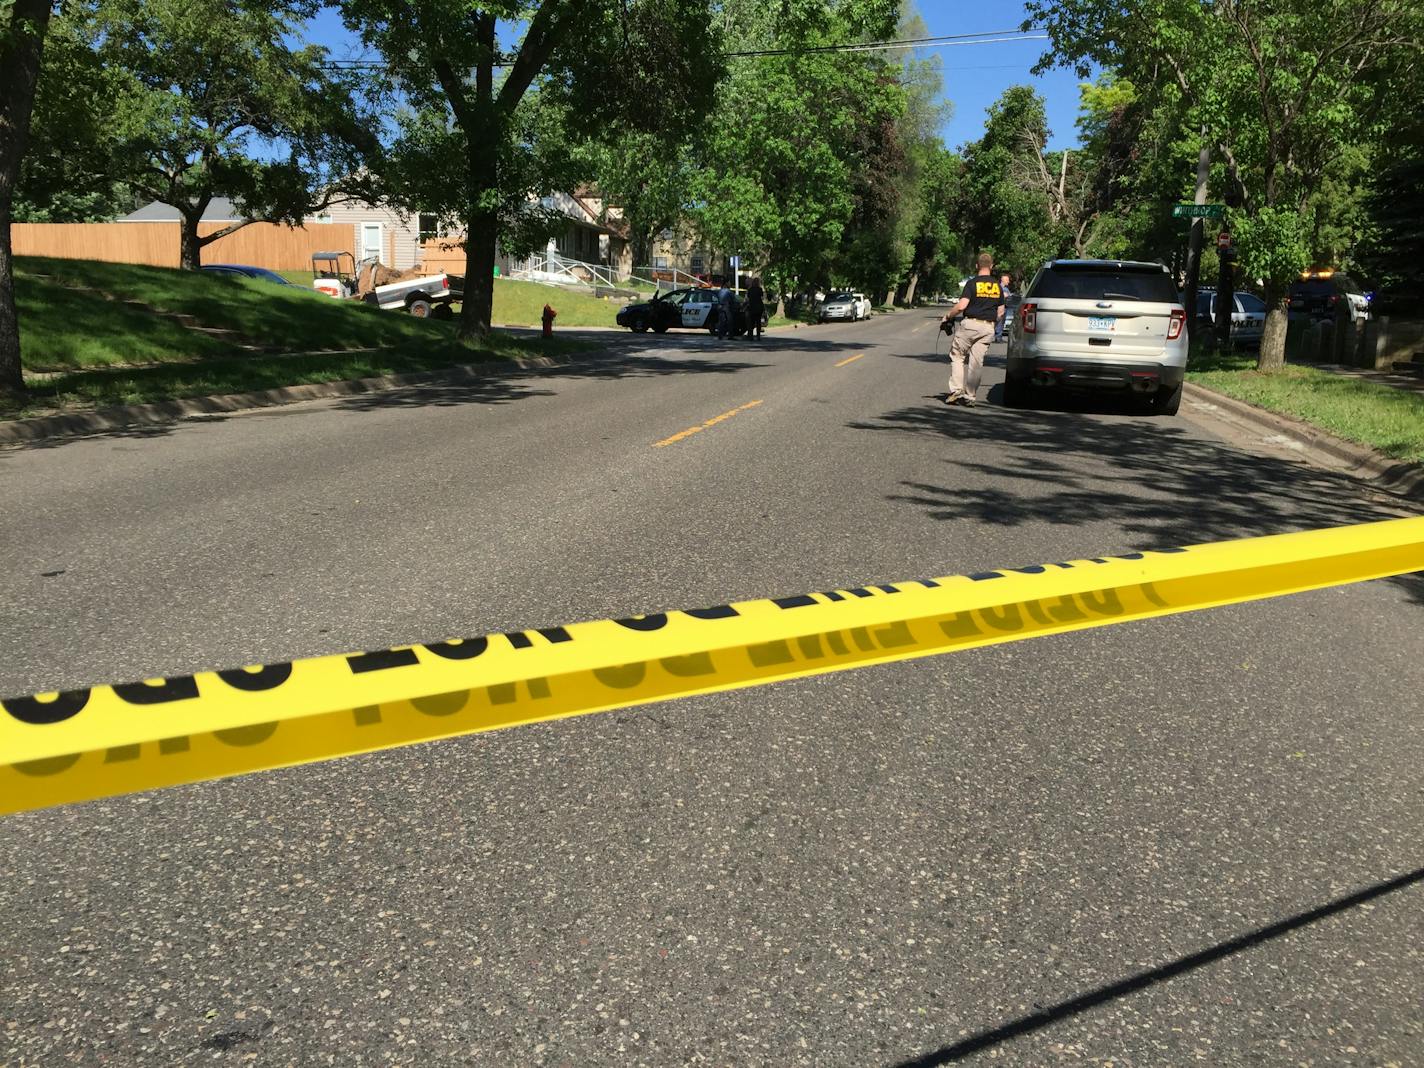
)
(982, 303)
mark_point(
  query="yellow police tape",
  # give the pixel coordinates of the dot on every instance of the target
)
(83, 744)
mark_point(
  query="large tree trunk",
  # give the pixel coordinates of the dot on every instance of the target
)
(481, 235)
(190, 250)
(642, 251)
(910, 286)
(22, 36)
(12, 380)
(1272, 356)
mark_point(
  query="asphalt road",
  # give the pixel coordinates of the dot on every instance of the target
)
(1134, 845)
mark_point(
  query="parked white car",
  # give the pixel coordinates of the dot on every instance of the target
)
(844, 306)
(1100, 325)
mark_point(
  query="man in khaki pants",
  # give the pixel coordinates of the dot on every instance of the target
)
(982, 303)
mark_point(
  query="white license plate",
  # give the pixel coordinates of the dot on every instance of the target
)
(1104, 323)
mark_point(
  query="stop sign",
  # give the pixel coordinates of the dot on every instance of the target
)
(1223, 240)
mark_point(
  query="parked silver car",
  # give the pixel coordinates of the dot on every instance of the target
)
(1100, 325)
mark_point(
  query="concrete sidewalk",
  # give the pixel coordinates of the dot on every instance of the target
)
(1395, 379)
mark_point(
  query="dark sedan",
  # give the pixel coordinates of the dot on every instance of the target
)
(260, 273)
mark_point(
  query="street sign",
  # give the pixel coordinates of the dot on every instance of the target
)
(735, 261)
(1198, 211)
(1223, 240)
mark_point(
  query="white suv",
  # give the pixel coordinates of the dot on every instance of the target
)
(1100, 325)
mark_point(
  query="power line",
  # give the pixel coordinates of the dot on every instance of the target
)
(943, 41)
(983, 37)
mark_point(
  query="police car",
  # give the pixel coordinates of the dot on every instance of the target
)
(692, 307)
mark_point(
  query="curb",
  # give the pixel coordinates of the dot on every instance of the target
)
(1383, 472)
(18, 431)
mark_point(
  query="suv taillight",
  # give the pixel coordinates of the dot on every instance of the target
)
(1174, 327)
(1028, 315)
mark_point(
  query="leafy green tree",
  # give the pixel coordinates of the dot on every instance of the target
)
(23, 24)
(1393, 253)
(794, 148)
(68, 174)
(937, 244)
(1138, 163)
(1010, 186)
(217, 102)
(486, 133)
(648, 179)
(1285, 89)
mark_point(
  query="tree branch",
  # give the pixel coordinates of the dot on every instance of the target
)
(205, 240)
(454, 89)
(546, 30)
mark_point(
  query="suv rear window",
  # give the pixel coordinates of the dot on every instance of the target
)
(1316, 287)
(1104, 283)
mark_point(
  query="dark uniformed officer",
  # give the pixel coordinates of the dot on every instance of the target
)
(982, 302)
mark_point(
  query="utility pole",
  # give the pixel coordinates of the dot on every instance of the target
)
(1194, 242)
(1225, 294)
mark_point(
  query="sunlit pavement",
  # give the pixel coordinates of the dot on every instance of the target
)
(1136, 844)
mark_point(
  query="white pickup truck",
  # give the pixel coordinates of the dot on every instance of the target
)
(337, 274)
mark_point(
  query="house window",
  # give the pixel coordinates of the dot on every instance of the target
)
(660, 262)
(429, 226)
(697, 263)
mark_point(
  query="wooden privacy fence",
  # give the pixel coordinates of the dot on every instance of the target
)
(270, 245)
(443, 254)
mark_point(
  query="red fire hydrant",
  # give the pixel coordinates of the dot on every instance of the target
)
(549, 314)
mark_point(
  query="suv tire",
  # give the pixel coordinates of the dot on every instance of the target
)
(1167, 401)
(1015, 393)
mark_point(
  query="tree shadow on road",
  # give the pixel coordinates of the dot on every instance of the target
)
(628, 343)
(1065, 1010)
(1154, 478)
(509, 386)
(484, 386)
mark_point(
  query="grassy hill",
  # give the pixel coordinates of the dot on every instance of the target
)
(95, 334)
(79, 313)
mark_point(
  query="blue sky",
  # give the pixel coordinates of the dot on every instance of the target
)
(974, 75)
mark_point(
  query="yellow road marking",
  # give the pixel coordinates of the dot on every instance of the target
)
(850, 359)
(699, 429)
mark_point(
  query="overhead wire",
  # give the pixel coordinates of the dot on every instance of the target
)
(942, 41)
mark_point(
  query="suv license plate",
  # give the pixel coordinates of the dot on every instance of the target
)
(1106, 323)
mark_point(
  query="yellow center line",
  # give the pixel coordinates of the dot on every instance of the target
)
(850, 359)
(699, 429)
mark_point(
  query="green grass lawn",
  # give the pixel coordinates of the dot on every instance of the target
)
(522, 304)
(76, 343)
(58, 319)
(103, 388)
(63, 329)
(1387, 419)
